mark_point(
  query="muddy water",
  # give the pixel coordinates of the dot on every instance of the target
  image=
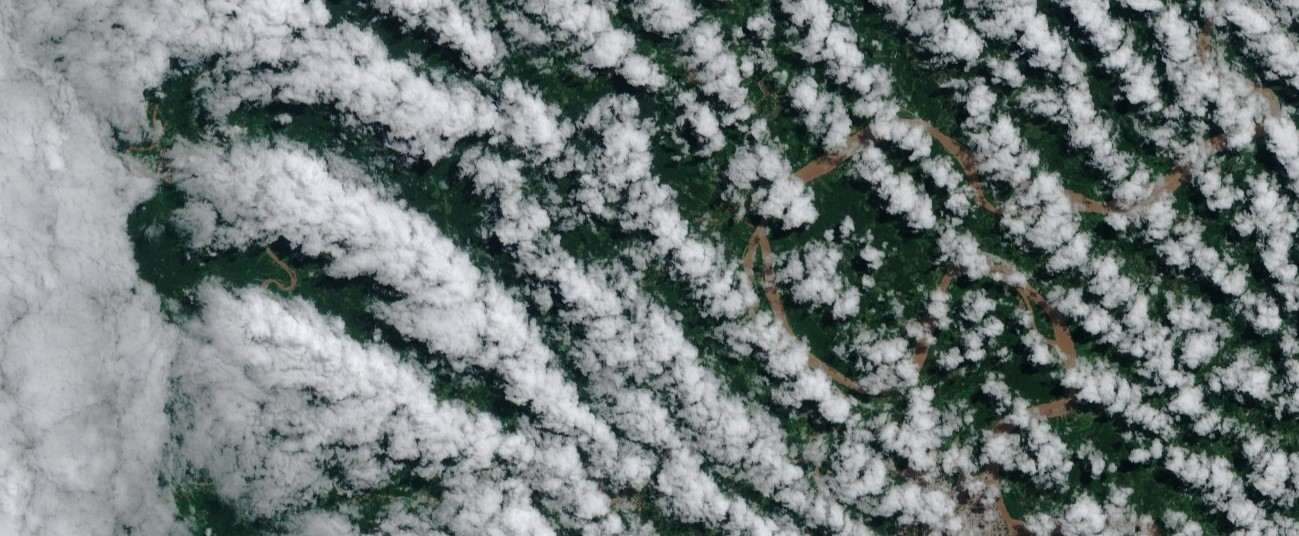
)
(759, 240)
(293, 276)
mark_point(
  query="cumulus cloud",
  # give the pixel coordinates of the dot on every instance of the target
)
(589, 29)
(666, 16)
(812, 275)
(283, 408)
(1032, 448)
(899, 190)
(448, 303)
(85, 351)
(620, 394)
(777, 193)
(639, 346)
(463, 27)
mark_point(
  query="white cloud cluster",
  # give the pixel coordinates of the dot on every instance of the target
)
(1039, 210)
(749, 440)
(1100, 384)
(1086, 517)
(1271, 218)
(283, 408)
(977, 330)
(1112, 39)
(1283, 141)
(716, 70)
(904, 197)
(1243, 374)
(1206, 86)
(618, 171)
(446, 302)
(944, 36)
(1273, 472)
(1264, 33)
(824, 113)
(885, 361)
(589, 28)
(1224, 491)
(668, 17)
(465, 28)
(705, 124)
(1071, 104)
(829, 43)
(640, 350)
(812, 275)
(350, 67)
(1032, 448)
(84, 350)
(1019, 22)
(777, 194)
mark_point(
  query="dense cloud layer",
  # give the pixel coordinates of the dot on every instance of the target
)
(85, 352)
(563, 266)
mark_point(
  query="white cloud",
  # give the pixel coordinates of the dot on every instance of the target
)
(899, 190)
(812, 275)
(112, 51)
(464, 28)
(1032, 448)
(1264, 34)
(84, 353)
(716, 69)
(823, 112)
(827, 42)
(652, 412)
(351, 68)
(1086, 517)
(1243, 374)
(619, 170)
(630, 345)
(447, 303)
(589, 29)
(1109, 36)
(943, 35)
(666, 16)
(1099, 384)
(761, 168)
(273, 395)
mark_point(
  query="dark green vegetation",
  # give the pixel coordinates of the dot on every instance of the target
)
(903, 287)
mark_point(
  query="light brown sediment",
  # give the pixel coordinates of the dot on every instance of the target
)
(1170, 182)
(829, 162)
(1054, 408)
(1202, 41)
(1049, 410)
(750, 254)
(965, 158)
(921, 351)
(153, 122)
(1029, 296)
(1273, 103)
(1014, 526)
(759, 240)
(293, 276)
(162, 164)
(1061, 339)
